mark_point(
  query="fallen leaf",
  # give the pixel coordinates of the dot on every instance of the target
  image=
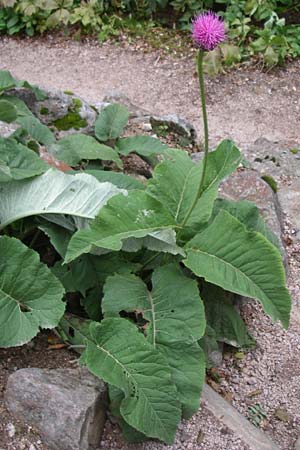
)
(282, 415)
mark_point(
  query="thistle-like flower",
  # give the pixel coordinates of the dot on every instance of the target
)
(208, 31)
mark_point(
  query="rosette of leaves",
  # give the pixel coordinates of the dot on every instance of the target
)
(150, 280)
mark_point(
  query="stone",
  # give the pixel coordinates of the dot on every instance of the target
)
(272, 158)
(228, 416)
(116, 96)
(67, 112)
(175, 125)
(289, 200)
(66, 406)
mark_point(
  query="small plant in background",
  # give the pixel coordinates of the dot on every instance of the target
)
(150, 270)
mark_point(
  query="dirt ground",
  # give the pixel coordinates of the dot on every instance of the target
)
(243, 105)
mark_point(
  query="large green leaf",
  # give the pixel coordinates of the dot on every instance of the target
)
(28, 121)
(136, 215)
(18, 162)
(130, 434)
(142, 145)
(173, 308)
(121, 356)
(30, 296)
(20, 105)
(119, 179)
(187, 364)
(91, 271)
(247, 213)
(36, 129)
(224, 318)
(111, 122)
(241, 261)
(176, 319)
(76, 147)
(184, 176)
(8, 111)
(7, 81)
(53, 193)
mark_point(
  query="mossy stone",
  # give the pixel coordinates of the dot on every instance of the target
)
(77, 104)
(44, 111)
(71, 120)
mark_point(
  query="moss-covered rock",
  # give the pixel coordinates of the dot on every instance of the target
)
(71, 120)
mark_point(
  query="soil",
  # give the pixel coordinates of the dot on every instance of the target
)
(243, 104)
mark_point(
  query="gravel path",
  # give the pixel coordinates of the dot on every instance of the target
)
(243, 105)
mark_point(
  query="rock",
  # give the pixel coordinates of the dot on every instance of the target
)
(289, 197)
(66, 406)
(229, 417)
(116, 96)
(66, 112)
(270, 158)
(11, 430)
(176, 125)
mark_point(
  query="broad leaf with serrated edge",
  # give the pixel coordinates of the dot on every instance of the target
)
(121, 356)
(241, 261)
(8, 111)
(142, 145)
(52, 193)
(30, 296)
(247, 213)
(119, 179)
(223, 317)
(184, 176)
(111, 122)
(176, 319)
(18, 162)
(136, 215)
(76, 147)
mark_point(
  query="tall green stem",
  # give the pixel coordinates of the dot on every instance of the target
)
(205, 125)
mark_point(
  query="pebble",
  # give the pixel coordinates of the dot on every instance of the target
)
(11, 430)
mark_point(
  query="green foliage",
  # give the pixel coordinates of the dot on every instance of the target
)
(30, 296)
(267, 29)
(153, 267)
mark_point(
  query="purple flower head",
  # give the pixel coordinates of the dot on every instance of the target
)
(208, 30)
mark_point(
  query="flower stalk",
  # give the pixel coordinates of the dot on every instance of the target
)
(206, 142)
(207, 32)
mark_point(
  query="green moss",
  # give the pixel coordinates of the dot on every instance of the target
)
(71, 120)
(271, 182)
(294, 150)
(68, 92)
(77, 104)
(161, 130)
(44, 111)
